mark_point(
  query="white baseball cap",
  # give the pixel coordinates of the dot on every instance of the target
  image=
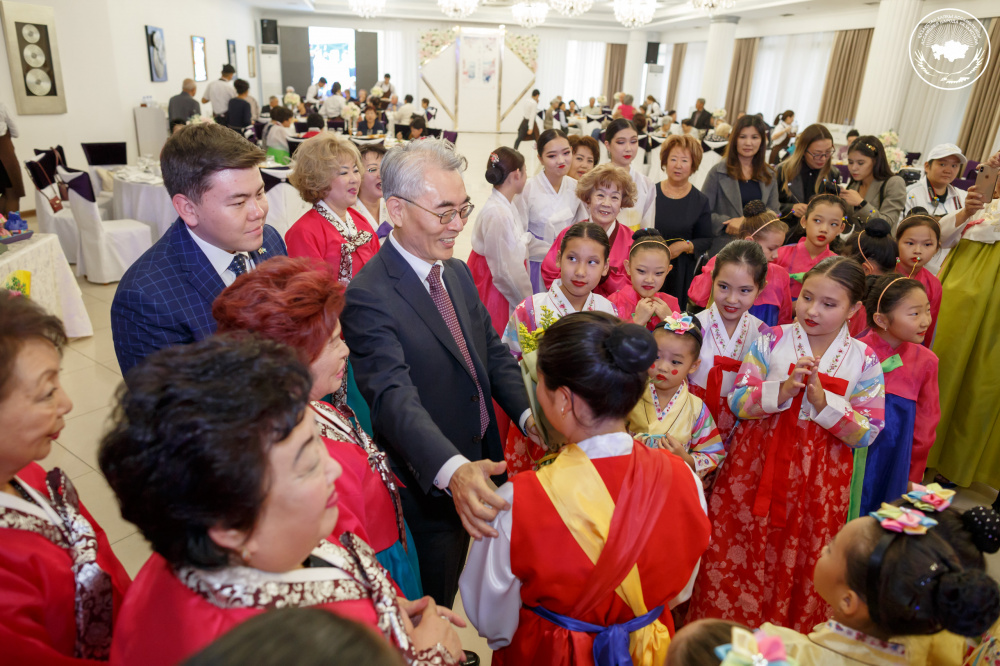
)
(944, 150)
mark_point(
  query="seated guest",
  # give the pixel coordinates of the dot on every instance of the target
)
(165, 297)
(315, 124)
(640, 120)
(393, 105)
(214, 457)
(240, 114)
(549, 119)
(300, 636)
(687, 128)
(297, 302)
(560, 572)
(272, 102)
(327, 175)
(852, 136)
(873, 190)
(61, 586)
(275, 135)
(417, 128)
(591, 109)
(362, 99)
(625, 108)
(370, 204)
(425, 105)
(586, 155)
(701, 118)
(183, 105)
(371, 124)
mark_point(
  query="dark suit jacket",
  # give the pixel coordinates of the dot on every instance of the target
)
(165, 297)
(724, 197)
(410, 371)
(240, 114)
(701, 119)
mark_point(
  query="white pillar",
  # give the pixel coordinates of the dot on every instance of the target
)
(888, 73)
(635, 57)
(718, 60)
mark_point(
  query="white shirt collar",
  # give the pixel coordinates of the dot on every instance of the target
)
(219, 258)
(420, 267)
(605, 446)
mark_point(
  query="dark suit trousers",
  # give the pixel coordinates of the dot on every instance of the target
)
(441, 544)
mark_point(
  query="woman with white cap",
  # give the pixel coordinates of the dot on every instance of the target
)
(935, 193)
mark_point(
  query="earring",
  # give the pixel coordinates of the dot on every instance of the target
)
(245, 555)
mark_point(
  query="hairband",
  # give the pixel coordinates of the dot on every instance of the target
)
(878, 306)
(494, 159)
(753, 649)
(764, 225)
(658, 241)
(896, 520)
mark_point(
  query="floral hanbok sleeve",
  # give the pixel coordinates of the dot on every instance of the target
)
(857, 420)
(706, 445)
(754, 396)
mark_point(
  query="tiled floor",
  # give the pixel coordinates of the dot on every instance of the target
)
(91, 376)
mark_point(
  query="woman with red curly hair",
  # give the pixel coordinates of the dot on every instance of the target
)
(298, 302)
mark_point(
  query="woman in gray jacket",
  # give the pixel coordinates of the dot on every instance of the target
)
(873, 190)
(742, 176)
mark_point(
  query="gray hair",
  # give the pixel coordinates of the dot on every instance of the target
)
(701, 99)
(189, 84)
(404, 166)
(627, 100)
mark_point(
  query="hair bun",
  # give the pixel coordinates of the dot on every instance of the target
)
(640, 234)
(631, 347)
(754, 208)
(983, 523)
(878, 228)
(967, 602)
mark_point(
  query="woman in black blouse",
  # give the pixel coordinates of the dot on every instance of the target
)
(683, 214)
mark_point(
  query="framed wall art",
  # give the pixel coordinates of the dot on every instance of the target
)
(231, 49)
(198, 56)
(33, 57)
(251, 62)
(157, 49)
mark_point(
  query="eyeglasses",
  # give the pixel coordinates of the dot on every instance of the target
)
(446, 217)
(820, 156)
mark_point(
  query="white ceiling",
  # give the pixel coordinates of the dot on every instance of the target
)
(670, 14)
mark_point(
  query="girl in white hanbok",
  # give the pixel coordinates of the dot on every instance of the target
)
(622, 142)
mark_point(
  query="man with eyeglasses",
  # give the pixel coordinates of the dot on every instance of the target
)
(430, 364)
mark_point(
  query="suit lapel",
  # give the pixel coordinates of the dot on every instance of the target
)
(414, 293)
(454, 288)
(732, 190)
(200, 272)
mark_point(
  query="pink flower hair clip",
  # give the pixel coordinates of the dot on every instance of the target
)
(903, 520)
(931, 497)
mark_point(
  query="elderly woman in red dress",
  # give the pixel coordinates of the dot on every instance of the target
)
(215, 457)
(327, 174)
(60, 584)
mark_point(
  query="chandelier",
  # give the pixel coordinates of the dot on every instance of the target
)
(530, 14)
(571, 7)
(634, 13)
(458, 9)
(367, 8)
(713, 6)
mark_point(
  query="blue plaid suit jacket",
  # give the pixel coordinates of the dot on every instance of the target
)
(165, 297)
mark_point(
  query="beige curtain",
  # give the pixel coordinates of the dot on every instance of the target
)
(741, 76)
(676, 65)
(844, 75)
(982, 114)
(614, 70)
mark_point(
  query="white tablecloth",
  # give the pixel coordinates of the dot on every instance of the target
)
(52, 283)
(148, 203)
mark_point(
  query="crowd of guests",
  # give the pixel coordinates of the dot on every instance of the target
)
(677, 426)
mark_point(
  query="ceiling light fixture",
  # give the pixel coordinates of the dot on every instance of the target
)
(530, 14)
(458, 9)
(367, 8)
(571, 7)
(712, 7)
(634, 13)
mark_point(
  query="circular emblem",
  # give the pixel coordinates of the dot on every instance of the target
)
(949, 49)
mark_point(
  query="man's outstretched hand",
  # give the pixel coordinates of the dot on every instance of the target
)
(475, 496)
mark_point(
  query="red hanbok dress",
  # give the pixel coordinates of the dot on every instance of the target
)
(61, 586)
(617, 278)
(932, 286)
(585, 541)
(790, 477)
(626, 298)
(797, 261)
(169, 614)
(773, 304)
(344, 244)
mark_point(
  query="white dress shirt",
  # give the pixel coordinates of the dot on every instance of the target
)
(529, 110)
(404, 114)
(388, 90)
(218, 93)
(220, 259)
(332, 107)
(7, 123)
(491, 593)
(423, 270)
(313, 93)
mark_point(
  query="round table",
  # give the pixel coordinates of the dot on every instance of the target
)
(50, 280)
(146, 202)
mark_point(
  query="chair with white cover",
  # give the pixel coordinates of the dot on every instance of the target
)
(107, 247)
(104, 156)
(284, 205)
(42, 172)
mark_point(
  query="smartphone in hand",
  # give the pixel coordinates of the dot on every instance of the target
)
(986, 181)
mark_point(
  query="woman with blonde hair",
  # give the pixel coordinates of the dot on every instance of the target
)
(327, 174)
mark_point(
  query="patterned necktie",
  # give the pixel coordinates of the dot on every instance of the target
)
(447, 310)
(239, 265)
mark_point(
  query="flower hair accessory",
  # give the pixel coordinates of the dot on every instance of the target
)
(903, 520)
(679, 324)
(931, 497)
(753, 649)
(494, 159)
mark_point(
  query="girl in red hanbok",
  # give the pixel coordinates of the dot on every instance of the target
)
(648, 265)
(875, 249)
(919, 238)
(215, 457)
(812, 399)
(577, 574)
(823, 220)
(61, 587)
